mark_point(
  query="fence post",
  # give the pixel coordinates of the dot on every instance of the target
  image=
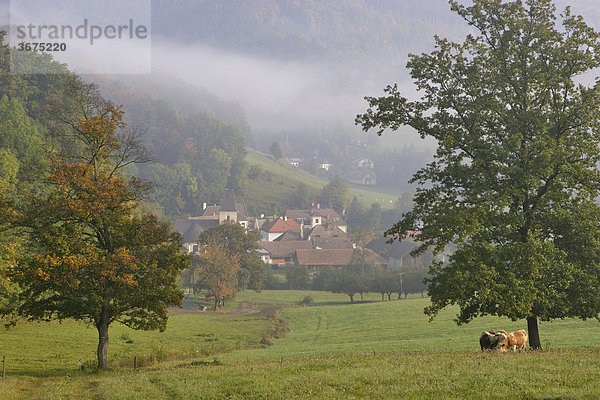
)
(134, 362)
(4, 368)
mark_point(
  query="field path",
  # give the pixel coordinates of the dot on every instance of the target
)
(243, 308)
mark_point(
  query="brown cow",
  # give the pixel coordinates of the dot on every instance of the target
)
(514, 340)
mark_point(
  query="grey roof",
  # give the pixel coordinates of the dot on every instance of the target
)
(228, 201)
(331, 243)
(329, 231)
(241, 210)
(395, 250)
(211, 210)
(190, 230)
(328, 213)
(239, 207)
(287, 236)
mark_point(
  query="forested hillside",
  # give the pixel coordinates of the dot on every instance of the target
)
(195, 154)
(317, 29)
(306, 30)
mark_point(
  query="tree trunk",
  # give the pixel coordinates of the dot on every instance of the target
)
(389, 297)
(351, 298)
(216, 303)
(534, 334)
(102, 327)
(382, 299)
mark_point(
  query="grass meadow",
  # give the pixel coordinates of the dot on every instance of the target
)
(333, 350)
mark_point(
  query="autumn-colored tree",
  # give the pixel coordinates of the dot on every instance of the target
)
(217, 271)
(243, 244)
(95, 256)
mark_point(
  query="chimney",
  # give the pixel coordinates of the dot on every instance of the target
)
(203, 206)
(318, 206)
(285, 218)
(302, 229)
(262, 215)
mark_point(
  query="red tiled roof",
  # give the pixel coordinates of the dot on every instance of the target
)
(279, 225)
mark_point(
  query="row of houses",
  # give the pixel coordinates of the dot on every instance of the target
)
(314, 237)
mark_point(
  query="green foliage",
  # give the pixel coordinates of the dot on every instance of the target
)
(335, 194)
(515, 173)
(356, 277)
(21, 141)
(276, 150)
(306, 301)
(255, 171)
(297, 277)
(355, 213)
(324, 279)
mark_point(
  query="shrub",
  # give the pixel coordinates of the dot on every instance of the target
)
(306, 301)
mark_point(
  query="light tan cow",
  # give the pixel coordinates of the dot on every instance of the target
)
(514, 341)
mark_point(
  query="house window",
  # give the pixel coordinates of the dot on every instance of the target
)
(195, 248)
(317, 221)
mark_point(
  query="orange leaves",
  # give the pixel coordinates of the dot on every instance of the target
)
(99, 131)
(217, 270)
(119, 267)
(83, 191)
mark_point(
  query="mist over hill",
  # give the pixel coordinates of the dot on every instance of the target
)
(299, 68)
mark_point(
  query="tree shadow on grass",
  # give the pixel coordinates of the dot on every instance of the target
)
(341, 303)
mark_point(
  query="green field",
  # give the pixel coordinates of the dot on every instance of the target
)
(281, 180)
(333, 349)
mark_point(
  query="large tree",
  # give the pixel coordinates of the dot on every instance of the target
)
(243, 245)
(335, 194)
(93, 254)
(216, 270)
(514, 178)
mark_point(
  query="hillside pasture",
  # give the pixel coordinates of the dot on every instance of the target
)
(334, 350)
(280, 180)
(332, 326)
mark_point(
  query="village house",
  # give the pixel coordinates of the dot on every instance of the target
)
(315, 216)
(190, 228)
(274, 229)
(314, 258)
(294, 162)
(325, 165)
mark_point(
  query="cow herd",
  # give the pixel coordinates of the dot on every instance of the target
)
(502, 341)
